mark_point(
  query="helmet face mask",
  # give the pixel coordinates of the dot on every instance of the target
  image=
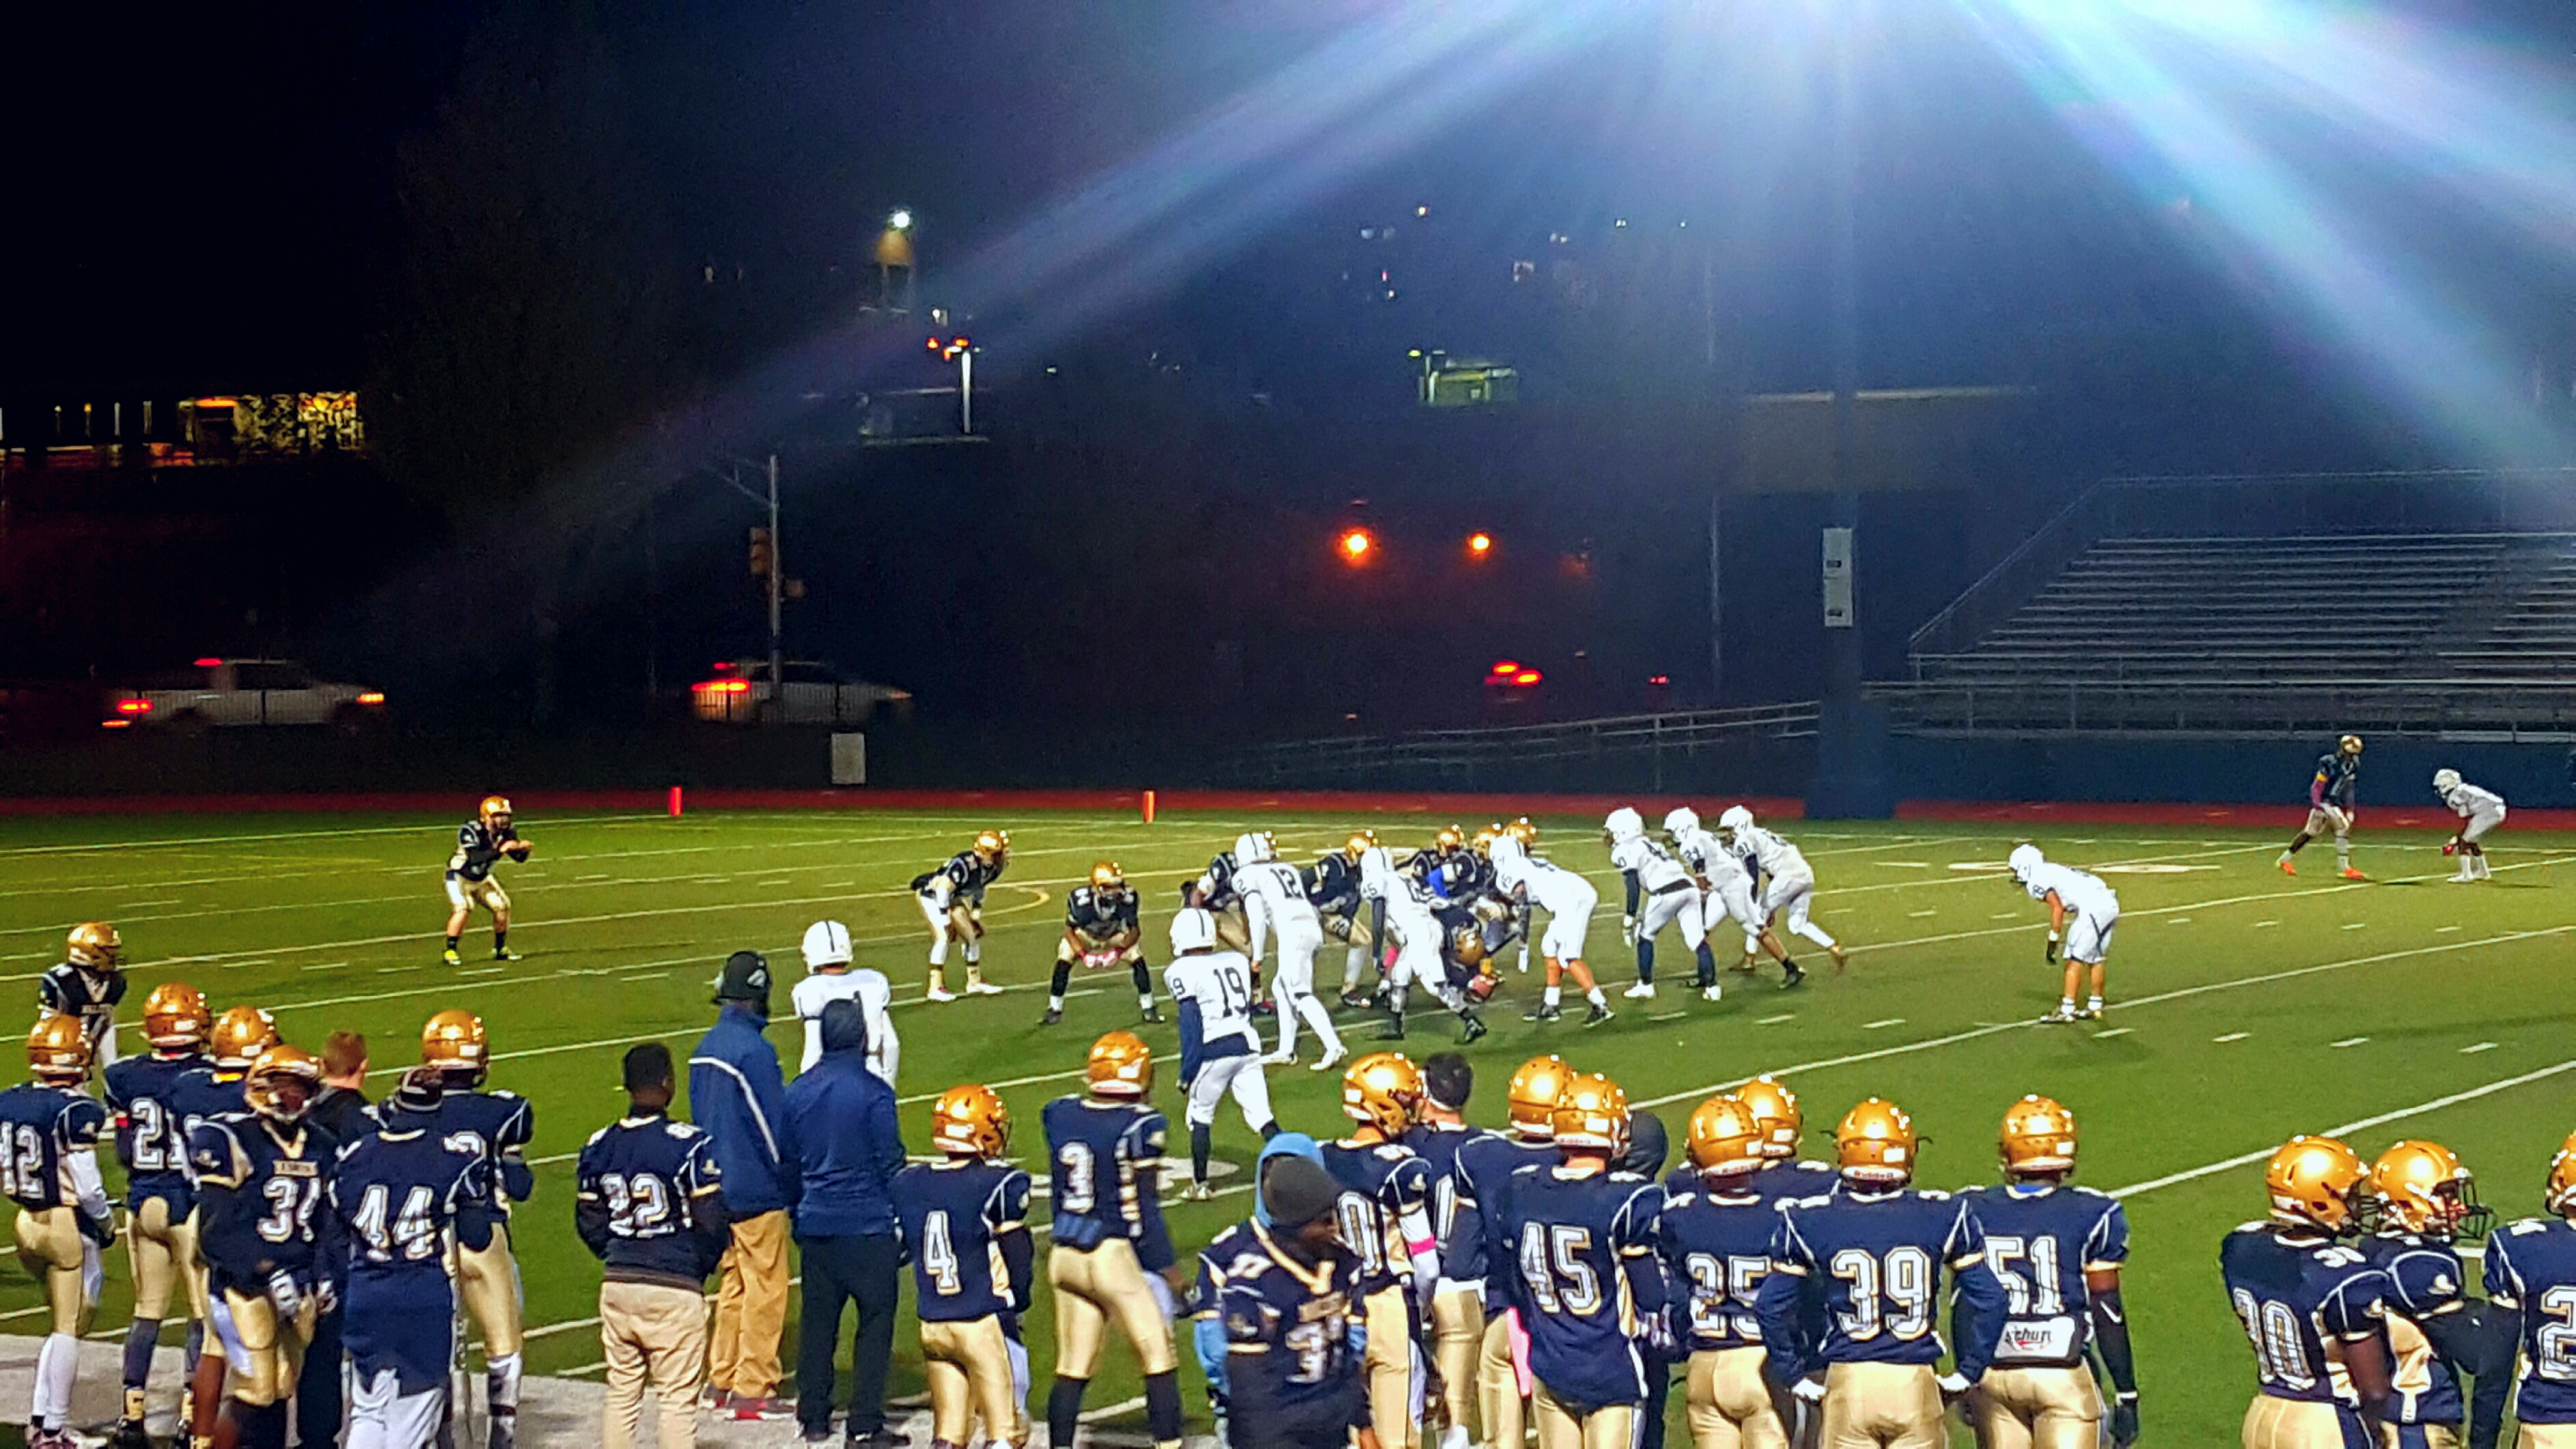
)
(1382, 1090)
(1680, 821)
(281, 1085)
(1361, 842)
(1448, 840)
(2445, 779)
(2422, 1187)
(2023, 860)
(1107, 879)
(1623, 824)
(495, 810)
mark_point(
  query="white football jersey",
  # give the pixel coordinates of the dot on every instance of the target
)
(2468, 800)
(1652, 865)
(2081, 891)
(1221, 983)
(1542, 883)
(1773, 855)
(868, 988)
(1276, 890)
(1701, 852)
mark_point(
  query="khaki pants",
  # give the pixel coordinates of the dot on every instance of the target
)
(1393, 1409)
(1457, 1332)
(164, 1255)
(52, 1250)
(1095, 1289)
(2546, 1436)
(2037, 1408)
(2272, 1423)
(1610, 1427)
(751, 1307)
(1728, 1402)
(968, 1364)
(487, 1283)
(1882, 1406)
(652, 1333)
(1500, 1412)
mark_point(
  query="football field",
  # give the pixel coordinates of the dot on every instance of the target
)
(2245, 1005)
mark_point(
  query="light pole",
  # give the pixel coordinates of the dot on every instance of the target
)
(774, 565)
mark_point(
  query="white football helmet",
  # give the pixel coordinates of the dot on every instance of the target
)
(1376, 863)
(1193, 930)
(1254, 847)
(827, 943)
(2023, 860)
(2446, 780)
(1734, 818)
(1507, 847)
(1624, 824)
(1680, 819)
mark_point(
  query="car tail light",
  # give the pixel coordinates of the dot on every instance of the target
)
(372, 696)
(722, 686)
(209, 663)
(116, 724)
(134, 706)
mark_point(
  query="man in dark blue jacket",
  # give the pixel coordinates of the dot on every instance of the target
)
(840, 1150)
(737, 1097)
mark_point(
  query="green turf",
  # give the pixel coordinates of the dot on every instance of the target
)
(2247, 1006)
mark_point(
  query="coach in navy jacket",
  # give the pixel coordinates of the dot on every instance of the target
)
(736, 1095)
(842, 1150)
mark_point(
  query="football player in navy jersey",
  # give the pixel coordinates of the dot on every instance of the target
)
(1101, 930)
(1871, 1256)
(1458, 1299)
(1785, 1175)
(481, 843)
(260, 1175)
(2057, 1250)
(1333, 886)
(965, 1226)
(393, 1195)
(2314, 1310)
(201, 1095)
(2531, 1273)
(2334, 804)
(1715, 1240)
(1112, 1258)
(1485, 1167)
(649, 1202)
(498, 1125)
(952, 903)
(1582, 1236)
(2426, 1201)
(87, 986)
(1287, 1298)
(152, 1141)
(50, 1130)
(1385, 1211)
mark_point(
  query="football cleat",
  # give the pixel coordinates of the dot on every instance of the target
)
(2060, 1017)
(1201, 1192)
(450, 957)
(1052, 1018)
(939, 993)
(1542, 1013)
(1712, 992)
(2091, 1013)
(1597, 1015)
(1330, 1059)
(2348, 873)
(1842, 958)
(1384, 1090)
(1152, 1016)
(1392, 1031)
(1642, 991)
(95, 946)
(2038, 1136)
(58, 1052)
(1120, 1065)
(1280, 1059)
(2286, 867)
(503, 953)
(1875, 1144)
(2315, 1182)
(1791, 974)
(1474, 1030)
(970, 1121)
(1359, 1000)
(982, 988)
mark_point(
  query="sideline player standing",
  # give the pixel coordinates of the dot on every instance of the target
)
(2427, 1201)
(497, 1125)
(395, 1193)
(952, 902)
(1440, 1137)
(152, 1141)
(2057, 1250)
(2480, 810)
(829, 977)
(2530, 1267)
(87, 985)
(260, 1175)
(480, 844)
(2334, 801)
(965, 1226)
(1101, 929)
(1789, 883)
(1485, 1167)
(1112, 1261)
(1385, 1211)
(51, 1173)
(1568, 900)
(1660, 893)
(2081, 914)
(2314, 1309)
(1275, 903)
(1715, 1239)
(1220, 1049)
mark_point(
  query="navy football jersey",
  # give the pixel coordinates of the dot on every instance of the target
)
(1576, 1241)
(2040, 1239)
(1100, 915)
(478, 846)
(2425, 1280)
(1333, 885)
(953, 1216)
(496, 1127)
(1485, 1168)
(201, 1094)
(2531, 1265)
(70, 990)
(1097, 1154)
(654, 1176)
(151, 1132)
(2339, 775)
(1269, 1303)
(1454, 1218)
(41, 1127)
(2302, 1297)
(259, 1194)
(1383, 1183)
(389, 1201)
(1716, 1247)
(967, 875)
(1872, 1263)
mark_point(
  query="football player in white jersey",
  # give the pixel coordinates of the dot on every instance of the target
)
(1220, 1049)
(1788, 882)
(1275, 903)
(1660, 893)
(1404, 915)
(829, 977)
(1568, 900)
(2081, 912)
(2479, 810)
(1726, 892)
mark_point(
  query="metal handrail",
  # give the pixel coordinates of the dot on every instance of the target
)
(1459, 750)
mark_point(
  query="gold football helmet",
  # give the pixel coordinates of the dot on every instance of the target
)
(2423, 1187)
(992, 845)
(1776, 1108)
(1529, 1100)
(1121, 1065)
(2349, 745)
(175, 1016)
(2560, 1196)
(282, 1083)
(453, 1041)
(58, 1051)
(1592, 1112)
(1106, 876)
(1360, 843)
(2038, 1138)
(95, 946)
(1875, 1144)
(1724, 1138)
(1383, 1089)
(239, 1036)
(1524, 832)
(970, 1121)
(1482, 842)
(495, 810)
(2316, 1182)
(1447, 839)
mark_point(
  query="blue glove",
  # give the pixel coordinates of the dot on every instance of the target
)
(1208, 1335)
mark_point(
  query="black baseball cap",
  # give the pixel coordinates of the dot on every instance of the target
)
(745, 978)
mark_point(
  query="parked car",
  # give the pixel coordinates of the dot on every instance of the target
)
(226, 692)
(813, 693)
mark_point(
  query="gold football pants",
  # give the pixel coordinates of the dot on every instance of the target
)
(968, 1364)
(1457, 1332)
(1613, 1426)
(52, 1250)
(2272, 1423)
(487, 1283)
(1095, 1289)
(1389, 1365)
(164, 1254)
(1882, 1406)
(1728, 1402)
(264, 1352)
(2546, 1436)
(1500, 1411)
(2037, 1408)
